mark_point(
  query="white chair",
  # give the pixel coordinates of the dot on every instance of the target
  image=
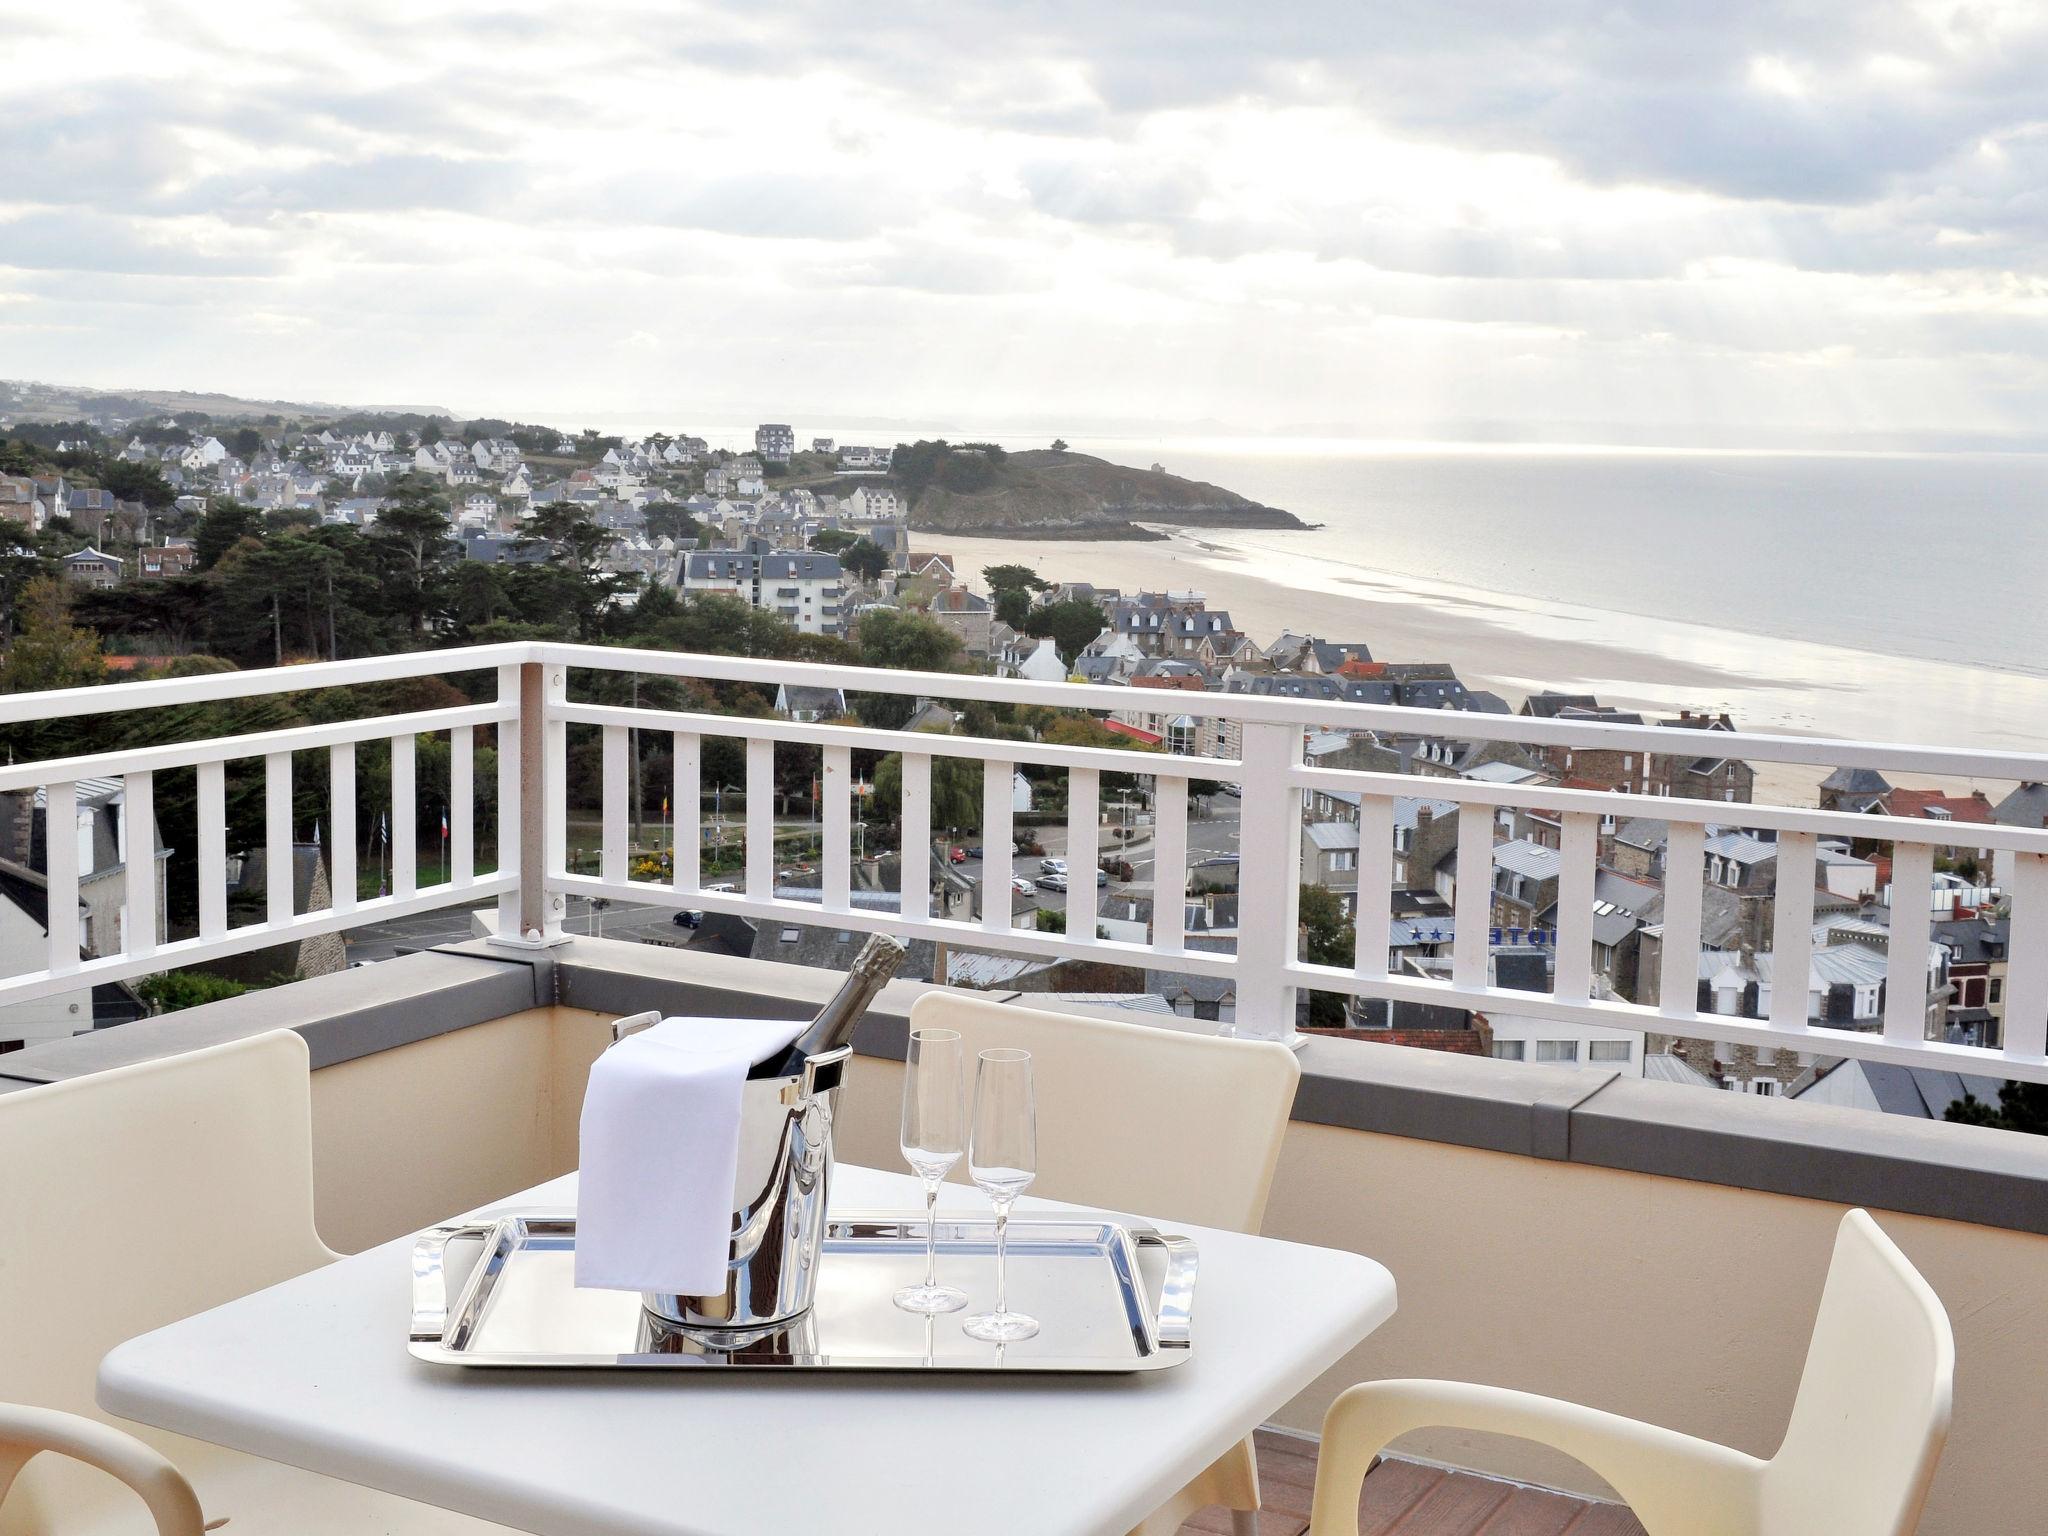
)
(29, 1432)
(135, 1197)
(1867, 1426)
(1147, 1119)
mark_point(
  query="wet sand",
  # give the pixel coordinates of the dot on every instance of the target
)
(1515, 647)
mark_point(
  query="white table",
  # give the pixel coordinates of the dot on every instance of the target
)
(315, 1372)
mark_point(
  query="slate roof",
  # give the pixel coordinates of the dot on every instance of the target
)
(1548, 705)
(1972, 941)
(2026, 806)
(1328, 836)
(1857, 781)
(1741, 847)
(1523, 857)
(1921, 1092)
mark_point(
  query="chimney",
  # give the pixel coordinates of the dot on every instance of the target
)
(1423, 817)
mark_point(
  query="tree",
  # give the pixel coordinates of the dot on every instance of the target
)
(221, 529)
(412, 543)
(1072, 625)
(175, 990)
(2021, 1107)
(1327, 938)
(832, 541)
(866, 559)
(19, 565)
(901, 642)
(1059, 445)
(137, 482)
(244, 443)
(477, 595)
(1020, 578)
(1013, 607)
(50, 651)
(956, 791)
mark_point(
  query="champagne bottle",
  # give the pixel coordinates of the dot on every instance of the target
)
(834, 1025)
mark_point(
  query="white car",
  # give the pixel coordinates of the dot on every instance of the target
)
(1052, 866)
(1020, 885)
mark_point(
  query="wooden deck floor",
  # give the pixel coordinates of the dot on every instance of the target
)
(1404, 1499)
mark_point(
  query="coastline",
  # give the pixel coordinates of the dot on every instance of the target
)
(1514, 647)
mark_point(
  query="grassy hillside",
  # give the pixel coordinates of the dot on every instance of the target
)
(1072, 494)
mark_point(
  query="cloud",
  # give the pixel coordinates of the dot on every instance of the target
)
(1599, 205)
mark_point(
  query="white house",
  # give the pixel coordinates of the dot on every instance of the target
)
(800, 586)
(24, 929)
(871, 503)
(1552, 1042)
(1043, 665)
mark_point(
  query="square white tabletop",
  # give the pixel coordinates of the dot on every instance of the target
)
(315, 1372)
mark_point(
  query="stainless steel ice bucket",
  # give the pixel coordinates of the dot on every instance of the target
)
(778, 1204)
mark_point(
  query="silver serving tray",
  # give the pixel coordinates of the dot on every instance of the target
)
(1109, 1296)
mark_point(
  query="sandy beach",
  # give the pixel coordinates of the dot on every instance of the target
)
(1515, 647)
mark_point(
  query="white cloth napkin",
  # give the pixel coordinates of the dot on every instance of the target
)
(660, 1134)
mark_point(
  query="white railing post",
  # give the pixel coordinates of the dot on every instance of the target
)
(60, 849)
(915, 896)
(1905, 987)
(1372, 904)
(278, 852)
(528, 789)
(1084, 832)
(138, 856)
(1268, 883)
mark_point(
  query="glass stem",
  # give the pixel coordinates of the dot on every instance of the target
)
(931, 1235)
(1002, 1258)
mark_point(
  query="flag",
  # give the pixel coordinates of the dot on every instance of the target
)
(444, 826)
(664, 807)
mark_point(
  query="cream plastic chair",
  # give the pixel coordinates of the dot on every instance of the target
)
(1867, 1426)
(138, 1196)
(30, 1432)
(1160, 1121)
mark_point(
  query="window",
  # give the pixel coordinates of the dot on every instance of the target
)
(1608, 1050)
(1510, 1050)
(1997, 990)
(11, 1045)
(1557, 1050)
(1764, 1087)
(1343, 859)
(791, 935)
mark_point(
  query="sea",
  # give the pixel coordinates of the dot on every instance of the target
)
(1885, 596)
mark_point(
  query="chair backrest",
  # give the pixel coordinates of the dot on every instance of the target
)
(1872, 1412)
(1139, 1117)
(140, 1195)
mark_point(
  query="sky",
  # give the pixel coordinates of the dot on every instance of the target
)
(1673, 221)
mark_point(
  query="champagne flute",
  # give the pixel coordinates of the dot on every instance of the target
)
(1002, 1156)
(934, 1136)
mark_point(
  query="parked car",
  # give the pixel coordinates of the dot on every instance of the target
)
(688, 919)
(1052, 866)
(975, 853)
(958, 856)
(1101, 878)
(1235, 791)
(1020, 885)
(1052, 882)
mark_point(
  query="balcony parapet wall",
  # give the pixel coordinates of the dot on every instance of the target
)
(1559, 1114)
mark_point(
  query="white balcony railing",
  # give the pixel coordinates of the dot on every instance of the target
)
(534, 711)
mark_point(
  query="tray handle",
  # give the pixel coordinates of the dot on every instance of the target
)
(431, 1301)
(1175, 1323)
